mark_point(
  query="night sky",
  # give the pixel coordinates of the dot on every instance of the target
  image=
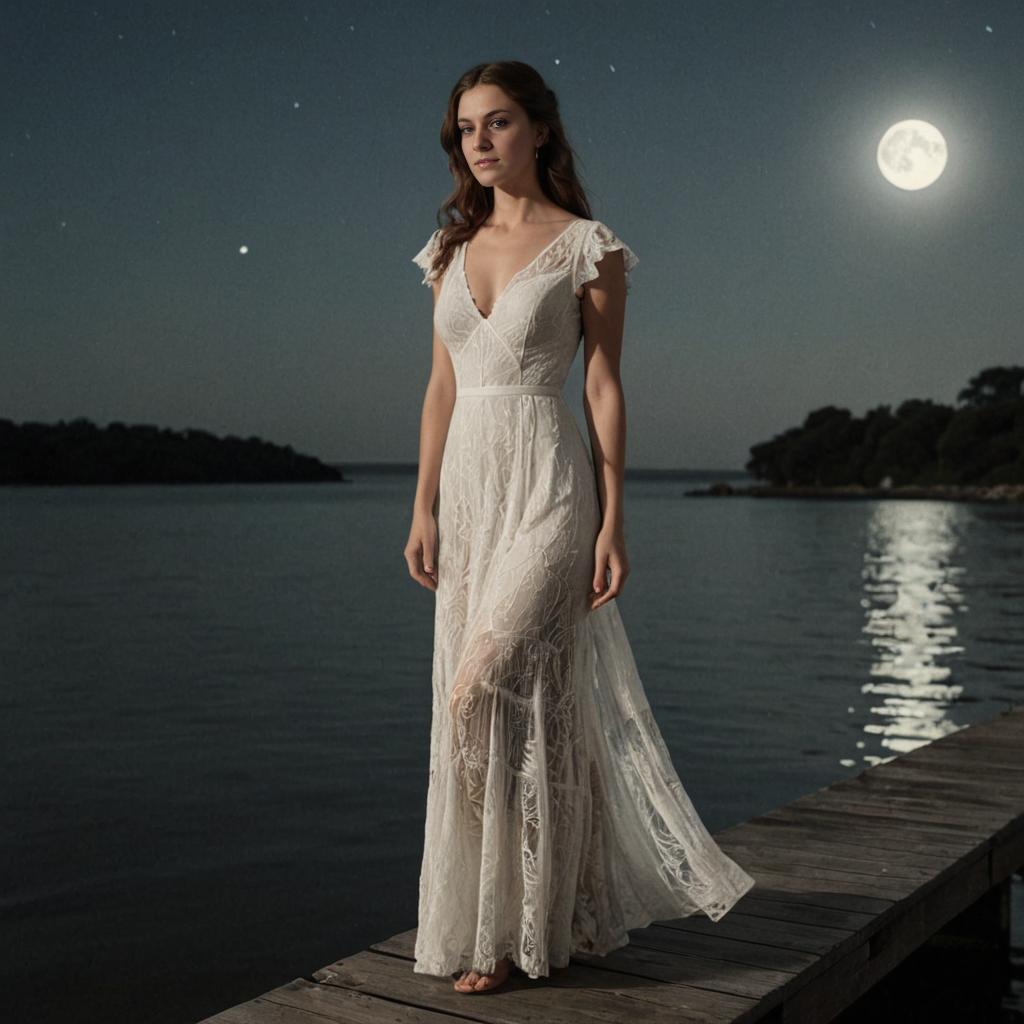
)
(731, 145)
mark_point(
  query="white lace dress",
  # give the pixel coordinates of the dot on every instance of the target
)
(555, 820)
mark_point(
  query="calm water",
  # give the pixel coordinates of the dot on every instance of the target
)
(215, 705)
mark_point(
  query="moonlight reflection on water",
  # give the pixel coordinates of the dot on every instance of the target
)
(911, 599)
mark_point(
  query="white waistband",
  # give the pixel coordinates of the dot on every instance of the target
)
(509, 389)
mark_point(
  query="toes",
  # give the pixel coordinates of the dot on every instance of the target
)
(492, 980)
(475, 981)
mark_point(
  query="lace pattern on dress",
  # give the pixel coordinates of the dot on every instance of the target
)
(425, 257)
(599, 240)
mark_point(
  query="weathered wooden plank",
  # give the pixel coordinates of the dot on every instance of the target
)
(306, 1002)
(763, 928)
(844, 982)
(570, 995)
(980, 823)
(823, 855)
(868, 818)
(904, 862)
(761, 858)
(698, 946)
(647, 946)
(921, 784)
(774, 885)
(779, 907)
(829, 888)
(868, 835)
(973, 778)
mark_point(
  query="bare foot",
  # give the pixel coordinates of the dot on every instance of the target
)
(476, 981)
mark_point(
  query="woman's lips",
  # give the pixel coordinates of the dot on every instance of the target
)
(486, 163)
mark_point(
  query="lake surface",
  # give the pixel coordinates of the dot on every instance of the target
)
(215, 705)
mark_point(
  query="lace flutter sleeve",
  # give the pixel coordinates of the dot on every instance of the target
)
(599, 240)
(425, 257)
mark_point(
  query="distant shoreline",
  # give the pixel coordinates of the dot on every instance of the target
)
(1002, 493)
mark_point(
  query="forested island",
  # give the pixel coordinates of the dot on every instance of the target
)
(80, 452)
(973, 451)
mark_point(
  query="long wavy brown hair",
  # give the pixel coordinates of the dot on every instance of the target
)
(471, 203)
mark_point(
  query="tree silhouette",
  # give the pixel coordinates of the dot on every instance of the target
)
(994, 385)
(79, 452)
(922, 443)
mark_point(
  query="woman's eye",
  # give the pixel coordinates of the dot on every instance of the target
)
(502, 120)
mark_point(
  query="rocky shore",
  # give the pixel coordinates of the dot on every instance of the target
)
(938, 492)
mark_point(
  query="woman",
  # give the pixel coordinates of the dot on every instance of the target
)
(555, 820)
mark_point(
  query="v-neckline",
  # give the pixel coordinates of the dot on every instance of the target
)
(518, 273)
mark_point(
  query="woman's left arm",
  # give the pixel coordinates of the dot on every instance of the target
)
(603, 312)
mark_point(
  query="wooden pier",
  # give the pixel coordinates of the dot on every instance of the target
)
(851, 880)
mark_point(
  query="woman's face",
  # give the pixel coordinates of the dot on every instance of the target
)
(495, 127)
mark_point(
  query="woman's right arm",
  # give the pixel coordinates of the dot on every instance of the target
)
(438, 402)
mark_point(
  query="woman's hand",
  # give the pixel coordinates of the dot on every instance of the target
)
(609, 557)
(421, 550)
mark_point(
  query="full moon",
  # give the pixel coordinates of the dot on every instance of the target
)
(912, 154)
